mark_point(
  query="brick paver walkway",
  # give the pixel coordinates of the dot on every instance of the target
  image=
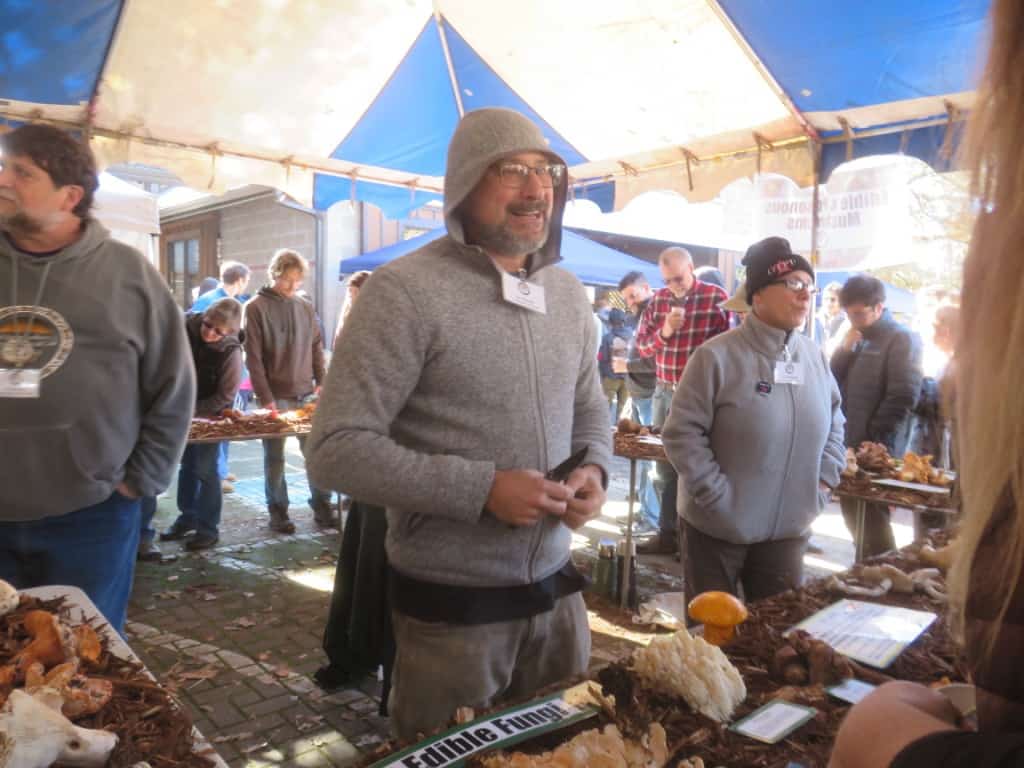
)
(237, 629)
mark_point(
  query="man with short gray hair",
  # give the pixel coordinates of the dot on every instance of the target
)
(680, 318)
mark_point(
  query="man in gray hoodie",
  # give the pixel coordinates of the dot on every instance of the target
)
(96, 379)
(756, 433)
(466, 371)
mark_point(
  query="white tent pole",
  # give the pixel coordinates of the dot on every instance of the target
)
(439, 21)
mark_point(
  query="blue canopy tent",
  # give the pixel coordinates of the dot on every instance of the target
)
(591, 262)
(635, 98)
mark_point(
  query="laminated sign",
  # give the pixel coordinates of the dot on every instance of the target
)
(493, 731)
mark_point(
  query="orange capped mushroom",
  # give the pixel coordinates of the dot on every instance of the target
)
(50, 641)
(719, 612)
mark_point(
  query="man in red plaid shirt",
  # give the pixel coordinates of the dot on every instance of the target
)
(678, 319)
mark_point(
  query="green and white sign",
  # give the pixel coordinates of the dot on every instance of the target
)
(498, 730)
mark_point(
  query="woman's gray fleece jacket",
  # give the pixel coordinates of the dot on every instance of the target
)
(749, 450)
(437, 382)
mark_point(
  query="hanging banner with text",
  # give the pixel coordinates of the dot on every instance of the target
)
(864, 215)
(510, 726)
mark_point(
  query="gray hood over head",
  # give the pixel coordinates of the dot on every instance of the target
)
(483, 137)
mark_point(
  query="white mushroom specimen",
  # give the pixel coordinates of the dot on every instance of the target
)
(33, 734)
(8, 598)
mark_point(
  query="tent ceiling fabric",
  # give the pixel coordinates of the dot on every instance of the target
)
(312, 97)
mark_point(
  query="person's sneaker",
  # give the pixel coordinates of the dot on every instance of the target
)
(226, 487)
(148, 552)
(658, 545)
(231, 477)
(201, 541)
(281, 524)
(175, 533)
(331, 678)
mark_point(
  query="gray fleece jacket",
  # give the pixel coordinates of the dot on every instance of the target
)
(751, 451)
(436, 382)
(118, 383)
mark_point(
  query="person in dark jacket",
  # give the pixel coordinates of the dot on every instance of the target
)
(216, 343)
(878, 368)
(640, 382)
(614, 345)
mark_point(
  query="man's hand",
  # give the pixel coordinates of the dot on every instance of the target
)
(523, 496)
(588, 496)
(673, 322)
(852, 338)
(125, 491)
(620, 365)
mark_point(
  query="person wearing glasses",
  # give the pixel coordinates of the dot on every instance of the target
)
(467, 370)
(284, 352)
(95, 385)
(878, 367)
(679, 318)
(216, 341)
(756, 434)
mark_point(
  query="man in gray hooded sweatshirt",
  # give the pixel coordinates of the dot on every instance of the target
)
(96, 378)
(466, 371)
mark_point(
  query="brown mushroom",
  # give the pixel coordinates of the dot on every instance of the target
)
(719, 612)
(88, 643)
(49, 644)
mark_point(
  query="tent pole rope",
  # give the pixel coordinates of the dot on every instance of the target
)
(439, 22)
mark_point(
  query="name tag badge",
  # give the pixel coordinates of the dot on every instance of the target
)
(19, 382)
(789, 372)
(523, 293)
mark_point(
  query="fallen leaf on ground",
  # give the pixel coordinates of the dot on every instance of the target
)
(308, 722)
(232, 737)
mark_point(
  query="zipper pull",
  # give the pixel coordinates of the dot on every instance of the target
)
(522, 274)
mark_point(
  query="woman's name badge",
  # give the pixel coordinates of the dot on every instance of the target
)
(523, 293)
(19, 382)
(789, 372)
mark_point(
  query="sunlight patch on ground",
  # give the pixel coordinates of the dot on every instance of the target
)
(579, 541)
(601, 526)
(320, 579)
(617, 510)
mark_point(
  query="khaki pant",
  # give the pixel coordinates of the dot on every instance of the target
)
(440, 667)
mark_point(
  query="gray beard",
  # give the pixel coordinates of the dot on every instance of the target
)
(499, 240)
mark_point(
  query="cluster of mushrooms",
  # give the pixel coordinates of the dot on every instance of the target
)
(42, 691)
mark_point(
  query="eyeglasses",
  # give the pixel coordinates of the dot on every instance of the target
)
(515, 174)
(214, 330)
(795, 285)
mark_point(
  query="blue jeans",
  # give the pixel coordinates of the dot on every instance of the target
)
(667, 482)
(148, 505)
(91, 548)
(222, 458)
(649, 505)
(275, 486)
(199, 492)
